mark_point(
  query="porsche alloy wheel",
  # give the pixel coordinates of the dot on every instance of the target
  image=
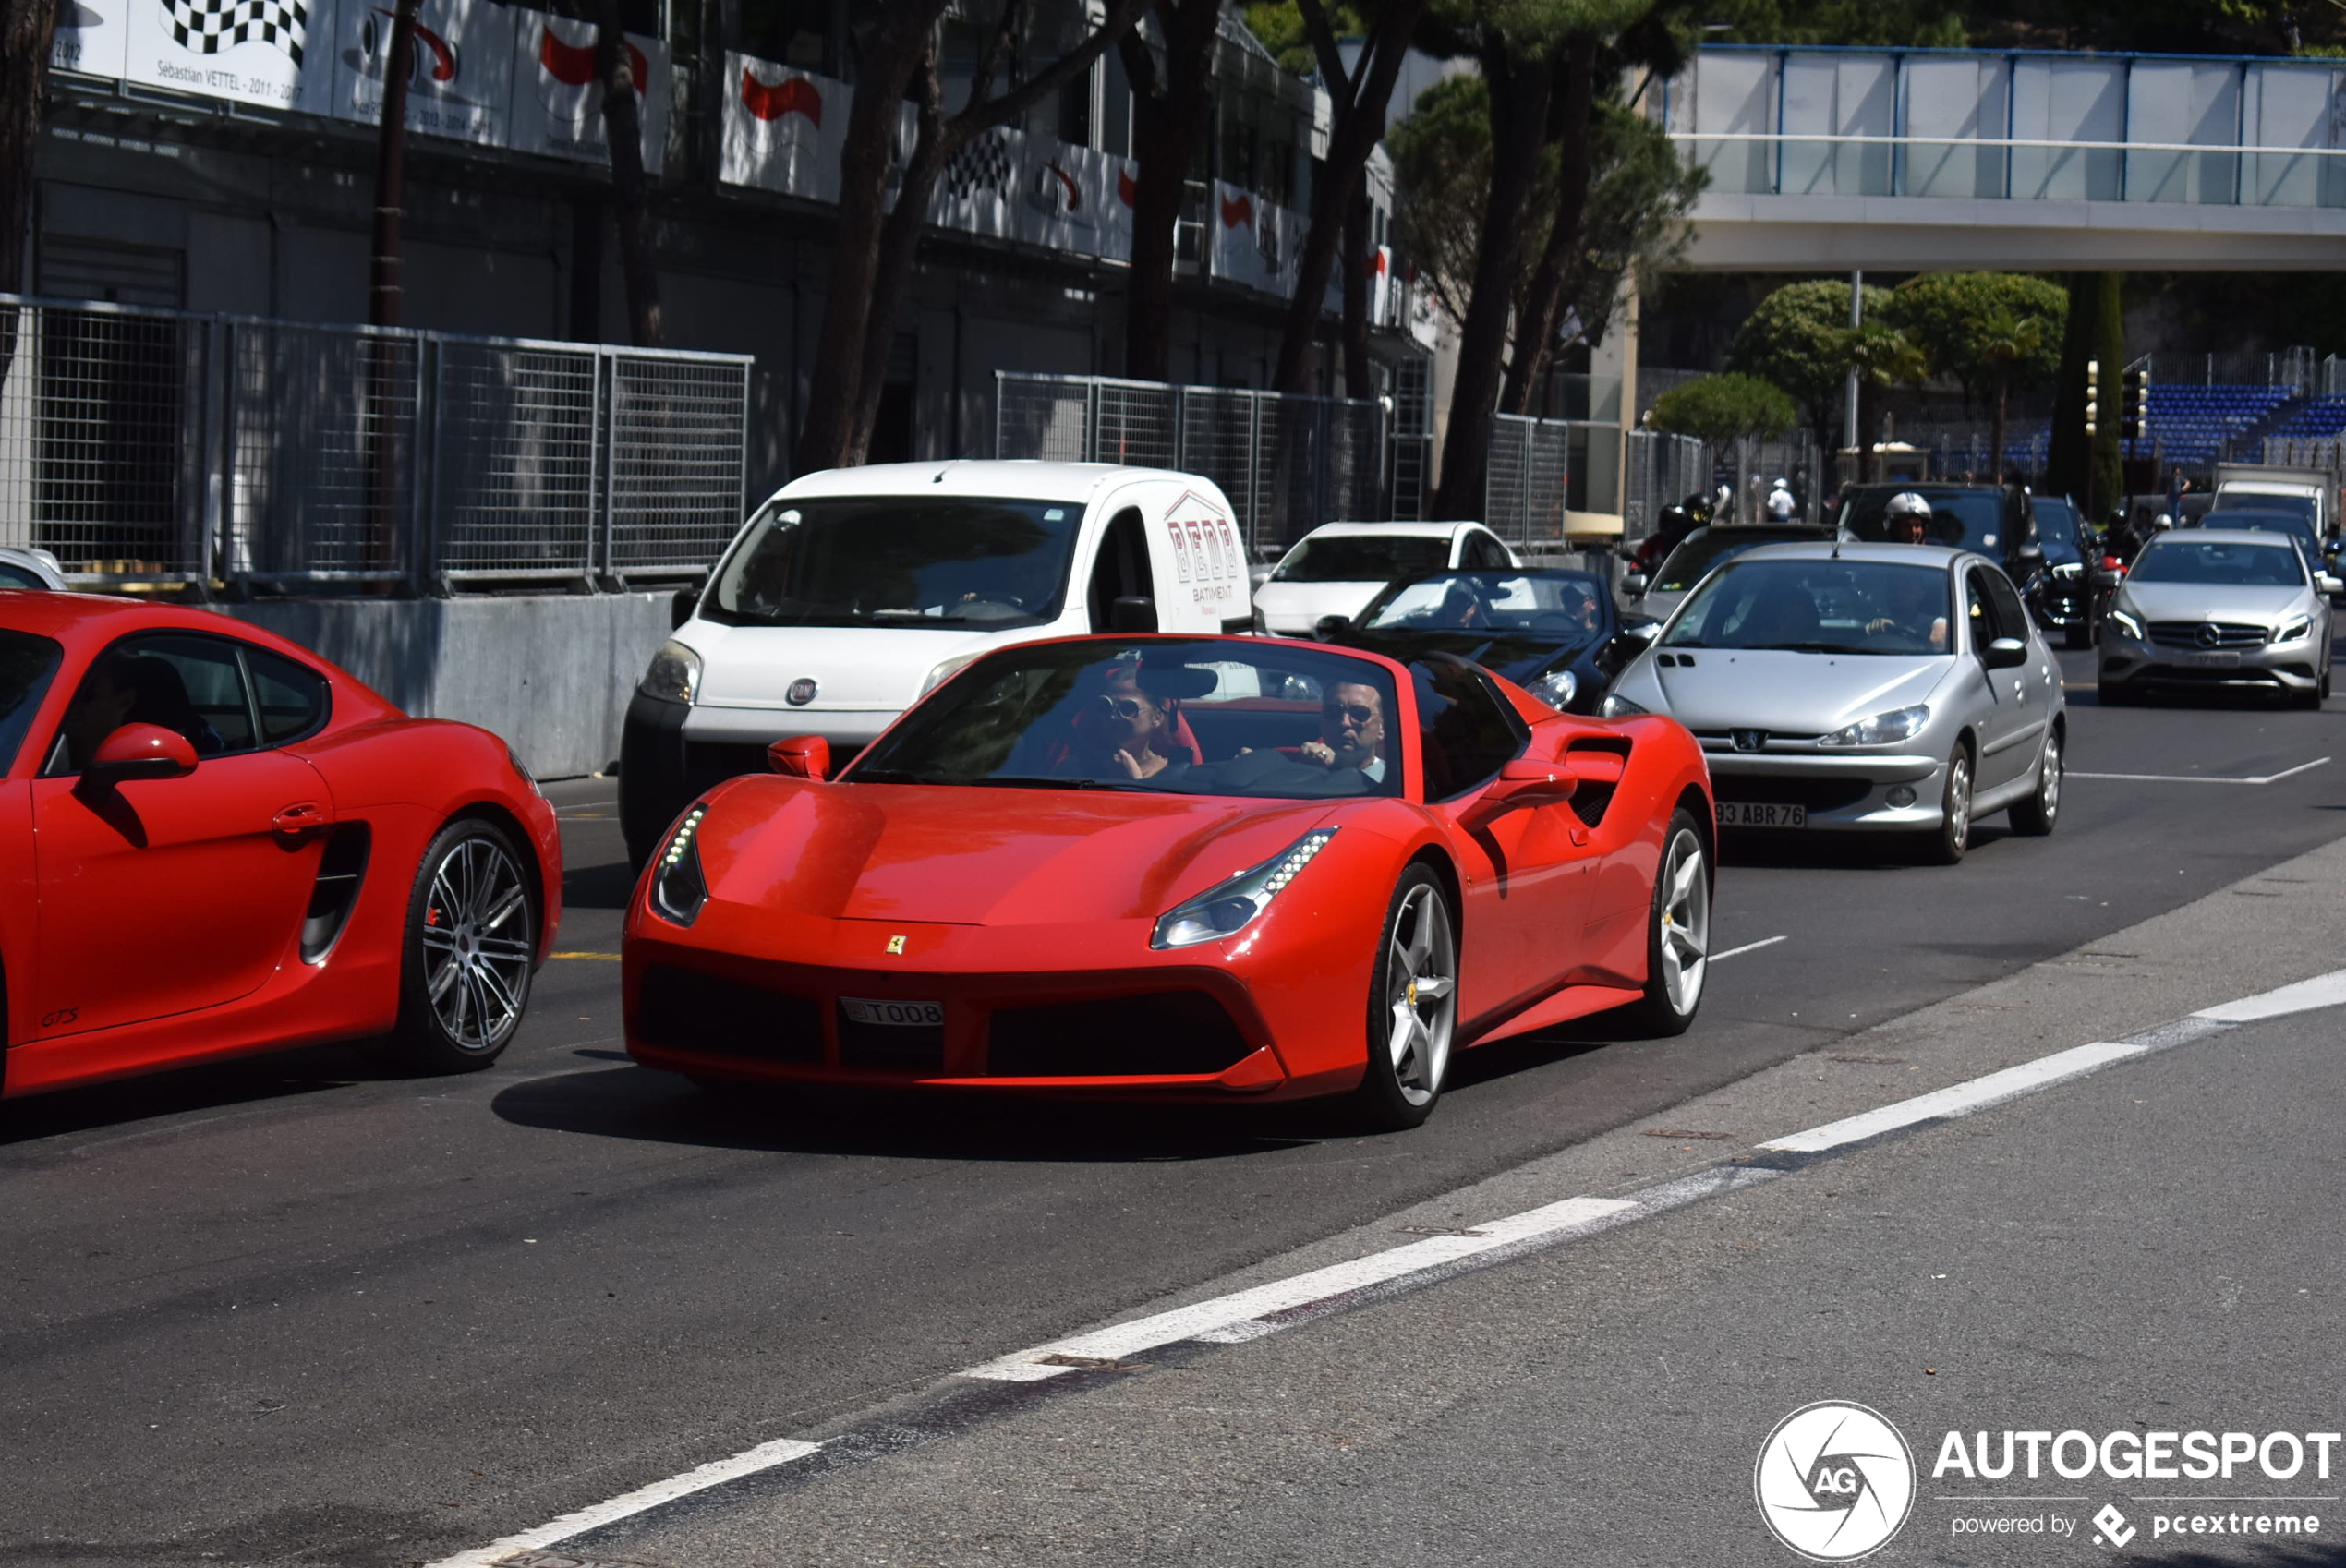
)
(1413, 1004)
(472, 942)
(1678, 935)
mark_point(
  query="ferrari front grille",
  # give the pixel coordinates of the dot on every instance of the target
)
(1155, 1033)
(684, 1009)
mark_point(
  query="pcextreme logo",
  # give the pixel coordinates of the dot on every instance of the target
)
(1834, 1482)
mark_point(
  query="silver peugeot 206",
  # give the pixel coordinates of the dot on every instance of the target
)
(1870, 687)
(2219, 610)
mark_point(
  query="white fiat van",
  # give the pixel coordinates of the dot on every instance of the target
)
(854, 590)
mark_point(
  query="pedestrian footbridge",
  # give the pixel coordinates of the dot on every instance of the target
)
(1927, 160)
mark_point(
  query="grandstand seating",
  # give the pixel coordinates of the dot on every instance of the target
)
(2316, 417)
(2190, 424)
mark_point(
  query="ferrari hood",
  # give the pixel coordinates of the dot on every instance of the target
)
(962, 856)
(1795, 694)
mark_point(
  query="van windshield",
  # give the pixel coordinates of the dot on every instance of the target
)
(899, 561)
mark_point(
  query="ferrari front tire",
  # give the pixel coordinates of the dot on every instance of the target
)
(1677, 931)
(1414, 1005)
(468, 951)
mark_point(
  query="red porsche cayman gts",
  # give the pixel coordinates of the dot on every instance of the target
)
(1178, 866)
(212, 843)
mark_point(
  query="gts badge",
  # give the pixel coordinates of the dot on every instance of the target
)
(61, 1018)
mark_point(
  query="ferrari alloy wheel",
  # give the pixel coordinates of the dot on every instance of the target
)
(1413, 1004)
(472, 944)
(2034, 814)
(1678, 932)
(1945, 844)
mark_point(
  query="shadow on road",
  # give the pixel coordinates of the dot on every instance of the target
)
(1826, 850)
(597, 886)
(249, 1081)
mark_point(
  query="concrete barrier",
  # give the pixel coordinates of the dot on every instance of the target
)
(552, 673)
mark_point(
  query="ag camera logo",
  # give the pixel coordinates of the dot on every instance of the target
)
(1834, 1482)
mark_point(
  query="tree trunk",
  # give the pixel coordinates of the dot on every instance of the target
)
(891, 51)
(899, 246)
(1168, 119)
(1360, 124)
(1359, 380)
(1535, 331)
(623, 131)
(391, 169)
(1996, 428)
(1519, 91)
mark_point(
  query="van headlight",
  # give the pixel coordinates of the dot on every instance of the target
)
(1898, 724)
(2294, 630)
(674, 674)
(1557, 689)
(950, 668)
(1230, 907)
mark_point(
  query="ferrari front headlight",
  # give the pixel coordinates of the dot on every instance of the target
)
(1230, 907)
(1898, 724)
(677, 889)
(674, 674)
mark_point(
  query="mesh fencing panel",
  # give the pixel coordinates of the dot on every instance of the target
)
(324, 447)
(516, 450)
(1041, 416)
(677, 462)
(1134, 422)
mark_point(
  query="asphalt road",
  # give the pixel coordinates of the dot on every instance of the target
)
(289, 1312)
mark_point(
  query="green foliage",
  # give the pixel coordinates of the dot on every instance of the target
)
(1279, 25)
(1641, 193)
(1969, 323)
(1909, 23)
(1720, 409)
(1799, 339)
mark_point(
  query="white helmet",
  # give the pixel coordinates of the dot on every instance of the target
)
(1906, 503)
(1783, 484)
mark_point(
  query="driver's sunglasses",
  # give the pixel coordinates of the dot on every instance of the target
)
(1358, 713)
(1123, 707)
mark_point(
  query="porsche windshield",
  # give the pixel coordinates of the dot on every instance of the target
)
(1185, 719)
(890, 560)
(1565, 606)
(1825, 607)
(1362, 558)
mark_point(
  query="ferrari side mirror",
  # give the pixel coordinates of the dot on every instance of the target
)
(137, 752)
(801, 757)
(1526, 783)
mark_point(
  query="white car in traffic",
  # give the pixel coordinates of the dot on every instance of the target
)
(1338, 567)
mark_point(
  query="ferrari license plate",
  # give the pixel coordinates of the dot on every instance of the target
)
(2196, 660)
(1753, 814)
(900, 1014)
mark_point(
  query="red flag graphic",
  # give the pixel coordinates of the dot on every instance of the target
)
(1237, 212)
(791, 93)
(574, 65)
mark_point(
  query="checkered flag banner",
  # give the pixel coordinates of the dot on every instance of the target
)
(209, 26)
(983, 165)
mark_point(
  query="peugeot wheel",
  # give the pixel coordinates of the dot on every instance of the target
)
(1945, 844)
(1677, 933)
(471, 946)
(1414, 1005)
(2036, 814)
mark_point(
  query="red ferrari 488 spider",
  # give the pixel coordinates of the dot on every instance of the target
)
(1195, 867)
(213, 843)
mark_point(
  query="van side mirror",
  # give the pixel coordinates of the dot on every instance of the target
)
(681, 608)
(800, 756)
(137, 752)
(1132, 612)
(2004, 653)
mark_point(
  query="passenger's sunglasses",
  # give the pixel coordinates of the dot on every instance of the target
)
(1123, 707)
(1358, 713)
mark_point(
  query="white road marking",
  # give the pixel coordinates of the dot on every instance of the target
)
(765, 1456)
(1225, 1311)
(1242, 1315)
(2202, 778)
(2322, 991)
(1749, 947)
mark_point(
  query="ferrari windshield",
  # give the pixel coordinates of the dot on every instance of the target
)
(1362, 558)
(1567, 605)
(26, 664)
(1959, 519)
(2236, 563)
(1186, 718)
(892, 561)
(1818, 606)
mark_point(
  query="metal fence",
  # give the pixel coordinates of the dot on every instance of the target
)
(1524, 479)
(1658, 470)
(2293, 367)
(167, 447)
(2304, 452)
(1286, 463)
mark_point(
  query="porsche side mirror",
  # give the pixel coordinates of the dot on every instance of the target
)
(1329, 627)
(2004, 653)
(800, 756)
(1526, 783)
(1634, 584)
(1132, 613)
(137, 752)
(680, 606)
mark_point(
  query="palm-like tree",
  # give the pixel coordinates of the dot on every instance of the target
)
(2006, 339)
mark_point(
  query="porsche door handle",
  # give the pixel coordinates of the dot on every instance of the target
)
(302, 816)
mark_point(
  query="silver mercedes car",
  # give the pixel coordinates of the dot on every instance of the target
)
(1873, 687)
(2222, 610)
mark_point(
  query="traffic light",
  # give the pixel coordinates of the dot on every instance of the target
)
(2134, 406)
(2093, 394)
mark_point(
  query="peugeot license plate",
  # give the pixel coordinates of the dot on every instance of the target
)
(1753, 814)
(899, 1015)
(2197, 660)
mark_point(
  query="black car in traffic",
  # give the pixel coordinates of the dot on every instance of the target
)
(1996, 520)
(1555, 633)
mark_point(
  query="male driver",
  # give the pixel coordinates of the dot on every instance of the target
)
(1351, 731)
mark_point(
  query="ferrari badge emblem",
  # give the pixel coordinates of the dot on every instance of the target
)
(896, 944)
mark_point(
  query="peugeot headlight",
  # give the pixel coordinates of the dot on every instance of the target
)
(950, 668)
(2125, 621)
(1898, 724)
(674, 674)
(677, 889)
(1615, 706)
(1227, 908)
(2294, 630)
(1557, 689)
